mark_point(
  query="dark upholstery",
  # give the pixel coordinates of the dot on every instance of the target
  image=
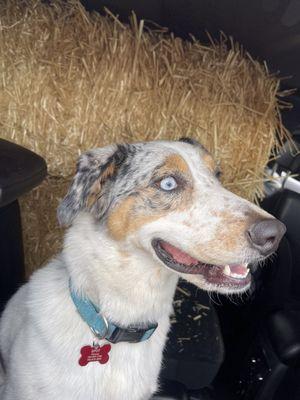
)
(20, 171)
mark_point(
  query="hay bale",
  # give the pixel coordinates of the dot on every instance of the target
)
(41, 232)
(71, 80)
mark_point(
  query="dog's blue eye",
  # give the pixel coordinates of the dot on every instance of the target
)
(168, 183)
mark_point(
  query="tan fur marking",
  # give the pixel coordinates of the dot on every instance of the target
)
(230, 235)
(93, 194)
(97, 186)
(175, 162)
(209, 161)
(227, 218)
(123, 220)
(232, 230)
(108, 172)
(233, 234)
(229, 240)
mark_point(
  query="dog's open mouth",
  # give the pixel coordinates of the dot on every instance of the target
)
(234, 275)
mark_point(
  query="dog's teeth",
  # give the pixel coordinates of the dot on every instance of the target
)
(246, 265)
(239, 276)
(226, 270)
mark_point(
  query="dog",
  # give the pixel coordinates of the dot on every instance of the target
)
(92, 324)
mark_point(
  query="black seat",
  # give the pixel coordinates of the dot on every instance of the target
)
(20, 171)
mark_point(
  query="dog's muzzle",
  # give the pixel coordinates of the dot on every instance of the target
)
(235, 276)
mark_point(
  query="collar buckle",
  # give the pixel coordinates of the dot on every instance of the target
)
(131, 334)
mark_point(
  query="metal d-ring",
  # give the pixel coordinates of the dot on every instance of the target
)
(96, 333)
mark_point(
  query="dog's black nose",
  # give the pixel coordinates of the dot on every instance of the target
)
(266, 235)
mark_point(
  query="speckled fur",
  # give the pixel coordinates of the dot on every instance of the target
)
(40, 331)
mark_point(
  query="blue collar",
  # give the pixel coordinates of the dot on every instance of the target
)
(104, 329)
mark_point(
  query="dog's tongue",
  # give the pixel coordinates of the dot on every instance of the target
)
(178, 255)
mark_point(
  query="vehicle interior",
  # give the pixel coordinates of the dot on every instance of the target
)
(219, 348)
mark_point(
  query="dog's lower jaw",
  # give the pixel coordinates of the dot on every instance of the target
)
(226, 290)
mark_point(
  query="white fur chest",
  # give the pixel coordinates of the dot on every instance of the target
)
(130, 374)
(49, 338)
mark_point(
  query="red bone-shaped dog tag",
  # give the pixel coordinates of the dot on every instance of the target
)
(94, 353)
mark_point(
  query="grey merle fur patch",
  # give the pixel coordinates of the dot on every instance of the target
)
(95, 169)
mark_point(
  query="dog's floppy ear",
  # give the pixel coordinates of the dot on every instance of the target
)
(89, 191)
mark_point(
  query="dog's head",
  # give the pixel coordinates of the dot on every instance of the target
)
(165, 198)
